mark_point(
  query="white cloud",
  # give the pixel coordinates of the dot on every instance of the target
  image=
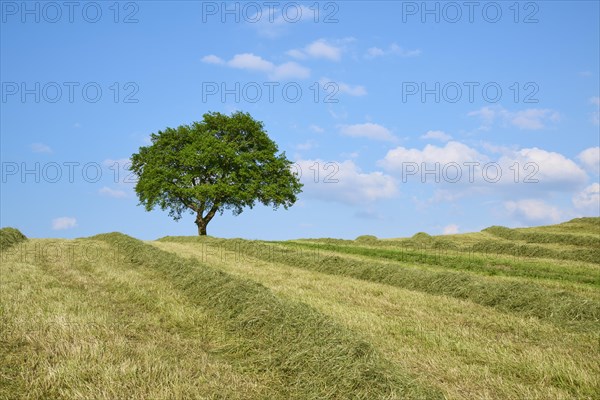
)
(529, 119)
(368, 130)
(40, 148)
(437, 135)
(252, 62)
(393, 49)
(533, 210)
(212, 59)
(341, 87)
(318, 49)
(590, 158)
(272, 23)
(531, 169)
(64, 223)
(588, 199)
(322, 49)
(533, 118)
(554, 170)
(452, 152)
(375, 52)
(115, 193)
(316, 128)
(344, 182)
(450, 229)
(289, 70)
(299, 54)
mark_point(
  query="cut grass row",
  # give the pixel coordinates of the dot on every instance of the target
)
(567, 308)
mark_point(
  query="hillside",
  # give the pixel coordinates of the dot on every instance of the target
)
(502, 313)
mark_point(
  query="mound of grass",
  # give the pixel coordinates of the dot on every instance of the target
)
(309, 354)
(366, 239)
(422, 237)
(10, 237)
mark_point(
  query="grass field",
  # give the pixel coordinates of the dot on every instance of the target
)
(499, 314)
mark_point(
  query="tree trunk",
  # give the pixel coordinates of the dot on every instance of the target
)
(202, 221)
(201, 227)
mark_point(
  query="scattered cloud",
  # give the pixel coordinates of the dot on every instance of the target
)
(64, 223)
(40, 148)
(529, 119)
(368, 130)
(437, 135)
(212, 59)
(533, 210)
(590, 158)
(344, 182)
(452, 152)
(115, 193)
(393, 49)
(252, 62)
(272, 23)
(341, 87)
(450, 229)
(316, 128)
(588, 199)
(319, 49)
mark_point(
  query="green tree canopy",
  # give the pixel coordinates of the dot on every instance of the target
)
(222, 162)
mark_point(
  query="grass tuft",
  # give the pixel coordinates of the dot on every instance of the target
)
(10, 237)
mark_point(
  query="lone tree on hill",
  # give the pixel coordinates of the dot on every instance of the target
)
(222, 162)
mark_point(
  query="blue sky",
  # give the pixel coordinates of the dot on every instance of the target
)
(401, 116)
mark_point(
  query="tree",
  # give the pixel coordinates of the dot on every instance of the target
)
(222, 162)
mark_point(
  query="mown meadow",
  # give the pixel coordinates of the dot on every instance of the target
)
(497, 314)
